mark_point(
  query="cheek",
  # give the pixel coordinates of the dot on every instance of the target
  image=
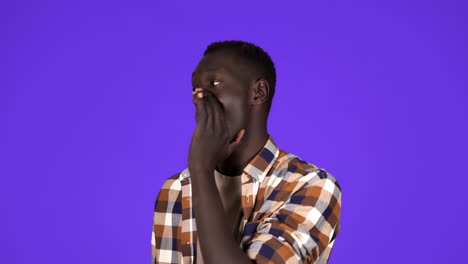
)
(236, 113)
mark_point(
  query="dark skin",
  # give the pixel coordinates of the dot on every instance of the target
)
(231, 115)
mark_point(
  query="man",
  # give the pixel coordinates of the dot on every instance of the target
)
(242, 199)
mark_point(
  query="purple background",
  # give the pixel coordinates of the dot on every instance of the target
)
(96, 114)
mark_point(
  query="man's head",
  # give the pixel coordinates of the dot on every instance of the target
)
(242, 76)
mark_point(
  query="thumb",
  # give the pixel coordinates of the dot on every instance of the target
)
(238, 138)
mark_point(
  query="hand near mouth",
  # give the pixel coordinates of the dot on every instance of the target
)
(211, 142)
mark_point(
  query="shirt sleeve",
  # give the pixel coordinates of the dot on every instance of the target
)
(153, 248)
(153, 234)
(304, 228)
(166, 220)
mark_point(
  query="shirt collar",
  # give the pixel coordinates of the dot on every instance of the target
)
(258, 166)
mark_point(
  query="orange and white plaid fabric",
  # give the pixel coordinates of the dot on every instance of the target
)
(291, 212)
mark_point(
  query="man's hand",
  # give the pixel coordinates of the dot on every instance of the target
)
(211, 142)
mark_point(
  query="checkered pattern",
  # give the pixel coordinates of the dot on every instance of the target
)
(291, 212)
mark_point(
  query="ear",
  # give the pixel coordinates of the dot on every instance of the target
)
(260, 91)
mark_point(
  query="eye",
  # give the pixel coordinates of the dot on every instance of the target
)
(215, 83)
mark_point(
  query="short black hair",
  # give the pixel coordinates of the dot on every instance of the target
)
(252, 54)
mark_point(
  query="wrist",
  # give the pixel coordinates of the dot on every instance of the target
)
(201, 170)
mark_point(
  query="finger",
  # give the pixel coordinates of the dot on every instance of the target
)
(237, 140)
(196, 95)
(208, 98)
(200, 105)
(239, 136)
(218, 116)
(211, 109)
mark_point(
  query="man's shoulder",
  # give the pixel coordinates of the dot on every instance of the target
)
(292, 167)
(170, 191)
(172, 182)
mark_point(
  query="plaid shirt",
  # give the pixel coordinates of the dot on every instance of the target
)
(291, 212)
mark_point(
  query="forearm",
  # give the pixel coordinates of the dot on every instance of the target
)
(217, 245)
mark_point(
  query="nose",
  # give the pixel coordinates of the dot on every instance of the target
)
(208, 92)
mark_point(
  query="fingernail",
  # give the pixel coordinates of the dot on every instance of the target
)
(200, 95)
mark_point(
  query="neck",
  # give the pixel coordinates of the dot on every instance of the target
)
(253, 141)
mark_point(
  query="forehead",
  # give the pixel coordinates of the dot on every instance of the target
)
(220, 62)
